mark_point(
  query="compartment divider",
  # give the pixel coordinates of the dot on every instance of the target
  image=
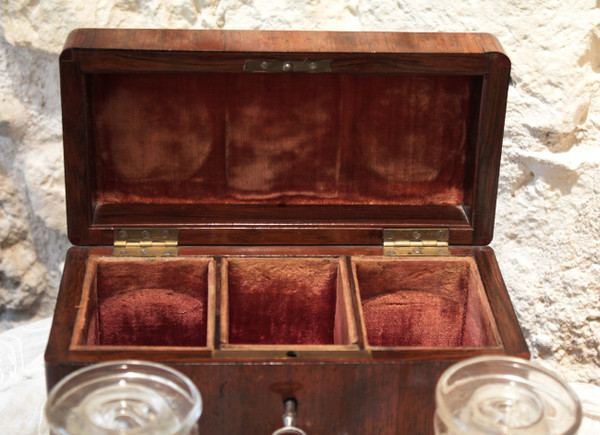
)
(223, 302)
(355, 302)
(345, 324)
(217, 313)
(211, 309)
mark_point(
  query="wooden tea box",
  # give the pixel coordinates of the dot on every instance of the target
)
(284, 215)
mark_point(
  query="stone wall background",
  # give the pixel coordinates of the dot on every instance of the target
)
(547, 222)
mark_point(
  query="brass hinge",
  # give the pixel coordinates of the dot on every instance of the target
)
(145, 242)
(416, 242)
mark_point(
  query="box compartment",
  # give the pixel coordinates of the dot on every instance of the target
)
(287, 305)
(146, 302)
(427, 302)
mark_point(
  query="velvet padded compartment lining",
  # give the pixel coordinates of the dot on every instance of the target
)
(284, 301)
(148, 302)
(424, 302)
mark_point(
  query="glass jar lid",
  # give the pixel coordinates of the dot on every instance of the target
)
(504, 395)
(126, 398)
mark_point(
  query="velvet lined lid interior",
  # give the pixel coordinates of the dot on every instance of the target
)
(227, 138)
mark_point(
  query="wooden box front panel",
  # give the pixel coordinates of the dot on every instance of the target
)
(333, 397)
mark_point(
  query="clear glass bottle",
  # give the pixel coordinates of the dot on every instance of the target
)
(504, 395)
(125, 398)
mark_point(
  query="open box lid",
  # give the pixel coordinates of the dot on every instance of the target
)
(281, 138)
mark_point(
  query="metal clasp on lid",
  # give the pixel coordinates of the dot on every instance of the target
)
(145, 242)
(288, 66)
(416, 242)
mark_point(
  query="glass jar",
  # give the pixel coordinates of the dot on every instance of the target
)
(126, 398)
(504, 395)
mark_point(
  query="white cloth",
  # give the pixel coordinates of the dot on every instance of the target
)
(22, 380)
(23, 386)
(589, 395)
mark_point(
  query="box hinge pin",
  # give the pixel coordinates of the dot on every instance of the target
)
(145, 242)
(405, 242)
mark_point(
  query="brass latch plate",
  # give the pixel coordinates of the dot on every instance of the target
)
(288, 66)
(416, 242)
(145, 242)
